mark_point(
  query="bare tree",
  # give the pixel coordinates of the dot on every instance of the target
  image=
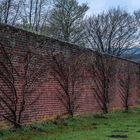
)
(35, 13)
(137, 20)
(30, 14)
(125, 81)
(10, 11)
(138, 84)
(102, 71)
(68, 72)
(137, 16)
(31, 74)
(64, 21)
(111, 32)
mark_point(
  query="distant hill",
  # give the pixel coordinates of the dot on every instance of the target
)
(133, 54)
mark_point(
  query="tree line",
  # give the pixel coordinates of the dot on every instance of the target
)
(112, 31)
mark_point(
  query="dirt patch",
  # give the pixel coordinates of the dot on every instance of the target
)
(100, 116)
(1, 134)
(118, 136)
(123, 131)
(131, 126)
(107, 125)
(94, 124)
(60, 122)
(37, 129)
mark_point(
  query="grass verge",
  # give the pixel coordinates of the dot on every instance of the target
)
(114, 126)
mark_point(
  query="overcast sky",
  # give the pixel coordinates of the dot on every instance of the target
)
(97, 6)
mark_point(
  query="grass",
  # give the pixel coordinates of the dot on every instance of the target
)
(114, 126)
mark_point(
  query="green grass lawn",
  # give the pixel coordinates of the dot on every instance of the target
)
(114, 126)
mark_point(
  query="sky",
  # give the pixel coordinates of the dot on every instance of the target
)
(97, 6)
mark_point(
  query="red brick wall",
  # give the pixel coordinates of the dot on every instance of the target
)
(48, 103)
